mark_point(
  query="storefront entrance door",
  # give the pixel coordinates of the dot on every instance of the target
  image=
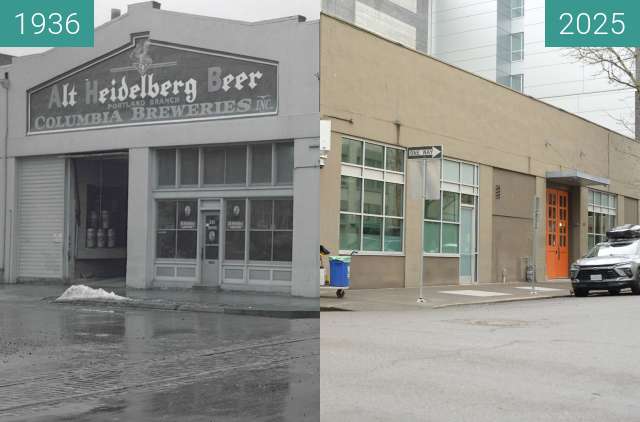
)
(557, 234)
(211, 248)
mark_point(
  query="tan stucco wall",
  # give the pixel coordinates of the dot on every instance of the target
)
(440, 271)
(375, 272)
(375, 89)
(630, 211)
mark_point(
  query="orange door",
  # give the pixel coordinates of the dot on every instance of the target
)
(557, 234)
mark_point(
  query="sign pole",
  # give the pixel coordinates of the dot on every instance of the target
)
(424, 154)
(422, 200)
(534, 254)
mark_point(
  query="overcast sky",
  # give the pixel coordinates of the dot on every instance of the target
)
(247, 10)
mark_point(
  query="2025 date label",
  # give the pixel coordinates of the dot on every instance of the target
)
(592, 23)
(46, 23)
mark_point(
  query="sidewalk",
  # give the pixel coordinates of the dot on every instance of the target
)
(186, 300)
(440, 296)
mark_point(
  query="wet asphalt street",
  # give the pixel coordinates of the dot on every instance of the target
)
(569, 359)
(82, 363)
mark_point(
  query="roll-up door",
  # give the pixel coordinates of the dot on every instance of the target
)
(40, 218)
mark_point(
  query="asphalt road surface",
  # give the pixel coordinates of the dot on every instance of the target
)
(570, 359)
(79, 363)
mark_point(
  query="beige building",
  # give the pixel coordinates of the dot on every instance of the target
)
(502, 150)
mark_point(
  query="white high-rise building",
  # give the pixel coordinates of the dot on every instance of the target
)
(501, 40)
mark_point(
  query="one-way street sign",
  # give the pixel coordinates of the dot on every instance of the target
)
(430, 151)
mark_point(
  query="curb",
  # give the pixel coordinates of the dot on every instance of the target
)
(513, 299)
(133, 304)
(456, 304)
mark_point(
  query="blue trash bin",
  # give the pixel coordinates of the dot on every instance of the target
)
(339, 271)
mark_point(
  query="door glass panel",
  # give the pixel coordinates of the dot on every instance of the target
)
(466, 242)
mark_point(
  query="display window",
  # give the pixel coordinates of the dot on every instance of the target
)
(371, 197)
(449, 223)
(602, 209)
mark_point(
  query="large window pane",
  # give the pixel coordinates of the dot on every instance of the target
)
(372, 234)
(351, 151)
(166, 215)
(393, 235)
(349, 232)
(431, 240)
(187, 244)
(214, 166)
(236, 166)
(451, 171)
(467, 174)
(234, 245)
(261, 214)
(395, 159)
(187, 214)
(350, 194)
(189, 166)
(451, 206)
(373, 192)
(591, 223)
(166, 244)
(374, 155)
(166, 167)
(432, 209)
(284, 164)
(450, 238)
(260, 245)
(393, 199)
(282, 246)
(283, 214)
(261, 164)
(235, 227)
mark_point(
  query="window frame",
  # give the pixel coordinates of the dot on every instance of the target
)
(446, 185)
(602, 210)
(349, 170)
(248, 148)
(519, 51)
(519, 6)
(520, 76)
(176, 229)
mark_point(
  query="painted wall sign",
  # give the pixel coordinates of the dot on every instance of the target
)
(151, 82)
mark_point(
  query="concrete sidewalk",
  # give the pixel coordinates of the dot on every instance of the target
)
(186, 300)
(440, 296)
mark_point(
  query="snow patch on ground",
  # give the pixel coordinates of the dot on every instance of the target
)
(82, 292)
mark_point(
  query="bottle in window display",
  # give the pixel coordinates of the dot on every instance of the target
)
(111, 238)
(105, 219)
(91, 238)
(101, 238)
(93, 219)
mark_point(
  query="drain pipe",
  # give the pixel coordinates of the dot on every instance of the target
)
(4, 83)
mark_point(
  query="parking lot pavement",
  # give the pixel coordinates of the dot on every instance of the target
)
(440, 296)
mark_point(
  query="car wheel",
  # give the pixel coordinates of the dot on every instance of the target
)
(635, 287)
(581, 292)
(614, 292)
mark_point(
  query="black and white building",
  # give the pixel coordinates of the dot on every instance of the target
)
(179, 151)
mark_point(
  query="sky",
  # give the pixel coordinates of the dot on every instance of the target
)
(246, 10)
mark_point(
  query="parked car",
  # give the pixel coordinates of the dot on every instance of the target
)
(612, 265)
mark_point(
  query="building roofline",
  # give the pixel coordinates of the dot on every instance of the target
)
(323, 13)
(294, 18)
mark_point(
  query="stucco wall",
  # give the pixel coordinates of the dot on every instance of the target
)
(377, 90)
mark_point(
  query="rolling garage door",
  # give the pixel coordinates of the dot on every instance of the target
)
(40, 218)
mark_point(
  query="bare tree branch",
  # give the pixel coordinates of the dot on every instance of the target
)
(621, 66)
